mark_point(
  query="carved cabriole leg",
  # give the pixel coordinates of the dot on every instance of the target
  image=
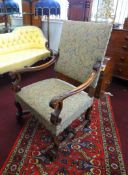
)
(87, 117)
(52, 152)
(20, 111)
(56, 142)
(68, 135)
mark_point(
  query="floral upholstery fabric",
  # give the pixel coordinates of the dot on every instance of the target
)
(22, 47)
(36, 98)
(18, 60)
(81, 44)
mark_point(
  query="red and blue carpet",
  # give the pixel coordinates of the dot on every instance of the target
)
(95, 150)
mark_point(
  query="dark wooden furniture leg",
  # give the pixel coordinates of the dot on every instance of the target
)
(51, 153)
(87, 117)
(20, 112)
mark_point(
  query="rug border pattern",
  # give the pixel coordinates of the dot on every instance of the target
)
(115, 137)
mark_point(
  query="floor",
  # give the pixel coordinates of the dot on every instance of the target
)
(9, 128)
(119, 90)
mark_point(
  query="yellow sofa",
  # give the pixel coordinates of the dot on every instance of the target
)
(22, 47)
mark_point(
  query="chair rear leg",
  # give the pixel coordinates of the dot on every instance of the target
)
(20, 112)
(88, 117)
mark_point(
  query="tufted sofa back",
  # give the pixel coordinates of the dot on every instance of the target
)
(26, 37)
(81, 45)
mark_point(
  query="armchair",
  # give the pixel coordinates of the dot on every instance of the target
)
(55, 102)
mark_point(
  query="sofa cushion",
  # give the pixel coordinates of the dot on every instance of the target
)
(22, 47)
(18, 60)
(36, 98)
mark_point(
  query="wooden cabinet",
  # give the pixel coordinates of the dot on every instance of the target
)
(2, 19)
(105, 77)
(79, 10)
(118, 51)
(125, 26)
(117, 66)
(29, 18)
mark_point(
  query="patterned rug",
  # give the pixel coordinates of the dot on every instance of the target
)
(93, 151)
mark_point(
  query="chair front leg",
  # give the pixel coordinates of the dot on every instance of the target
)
(57, 110)
(87, 117)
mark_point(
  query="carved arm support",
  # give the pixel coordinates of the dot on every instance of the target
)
(57, 102)
(16, 77)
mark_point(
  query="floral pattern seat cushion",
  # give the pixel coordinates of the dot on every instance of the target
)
(36, 98)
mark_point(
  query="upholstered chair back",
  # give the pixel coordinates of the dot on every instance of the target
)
(81, 45)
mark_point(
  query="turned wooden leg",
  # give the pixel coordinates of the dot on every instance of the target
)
(54, 151)
(70, 133)
(87, 117)
(51, 152)
(20, 111)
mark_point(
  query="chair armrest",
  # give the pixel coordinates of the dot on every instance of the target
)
(16, 75)
(78, 89)
(37, 68)
(57, 102)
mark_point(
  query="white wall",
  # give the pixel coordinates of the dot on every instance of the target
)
(56, 25)
(120, 9)
(55, 32)
(64, 8)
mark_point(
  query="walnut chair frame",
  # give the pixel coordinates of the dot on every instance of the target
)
(57, 102)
